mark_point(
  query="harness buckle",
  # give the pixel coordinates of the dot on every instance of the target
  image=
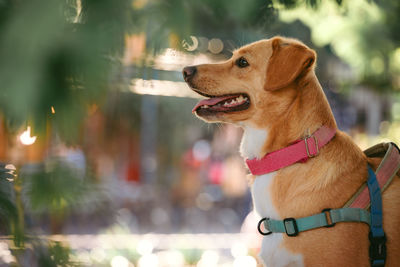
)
(377, 249)
(328, 217)
(292, 225)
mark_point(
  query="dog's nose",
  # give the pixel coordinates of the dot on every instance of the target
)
(188, 73)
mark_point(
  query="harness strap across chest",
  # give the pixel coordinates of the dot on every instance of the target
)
(327, 218)
(355, 210)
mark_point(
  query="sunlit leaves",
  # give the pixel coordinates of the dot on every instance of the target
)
(359, 34)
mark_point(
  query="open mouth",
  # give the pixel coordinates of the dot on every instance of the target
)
(224, 104)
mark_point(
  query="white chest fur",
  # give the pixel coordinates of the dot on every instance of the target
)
(252, 142)
(272, 253)
(260, 191)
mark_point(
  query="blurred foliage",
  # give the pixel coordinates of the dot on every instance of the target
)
(55, 189)
(55, 255)
(9, 217)
(364, 34)
(390, 132)
(54, 55)
(46, 254)
(192, 256)
(66, 54)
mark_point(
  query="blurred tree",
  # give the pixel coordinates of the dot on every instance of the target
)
(364, 34)
(61, 56)
(57, 57)
(58, 54)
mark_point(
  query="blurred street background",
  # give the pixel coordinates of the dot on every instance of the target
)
(102, 162)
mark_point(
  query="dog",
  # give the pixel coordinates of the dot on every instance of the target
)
(269, 88)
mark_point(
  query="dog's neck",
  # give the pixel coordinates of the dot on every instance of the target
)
(252, 142)
(340, 164)
(308, 111)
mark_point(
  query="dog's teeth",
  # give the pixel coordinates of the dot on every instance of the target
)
(205, 106)
(240, 98)
(225, 104)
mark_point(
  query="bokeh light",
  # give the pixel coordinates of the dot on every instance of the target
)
(148, 260)
(26, 138)
(209, 258)
(119, 261)
(247, 261)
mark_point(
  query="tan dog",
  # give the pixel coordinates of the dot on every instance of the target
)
(270, 89)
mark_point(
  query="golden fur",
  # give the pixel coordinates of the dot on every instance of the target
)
(287, 100)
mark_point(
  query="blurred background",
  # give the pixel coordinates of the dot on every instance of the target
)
(102, 162)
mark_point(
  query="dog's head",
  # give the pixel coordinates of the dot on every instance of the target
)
(258, 81)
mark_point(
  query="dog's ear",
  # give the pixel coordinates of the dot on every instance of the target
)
(287, 62)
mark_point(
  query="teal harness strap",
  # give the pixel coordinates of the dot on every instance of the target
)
(327, 218)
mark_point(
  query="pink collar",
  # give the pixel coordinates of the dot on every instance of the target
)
(301, 150)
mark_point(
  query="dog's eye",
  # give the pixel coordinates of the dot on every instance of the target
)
(242, 62)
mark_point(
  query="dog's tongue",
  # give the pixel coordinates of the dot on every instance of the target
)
(211, 101)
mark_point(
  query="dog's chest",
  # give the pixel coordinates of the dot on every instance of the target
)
(272, 251)
(251, 147)
(262, 198)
